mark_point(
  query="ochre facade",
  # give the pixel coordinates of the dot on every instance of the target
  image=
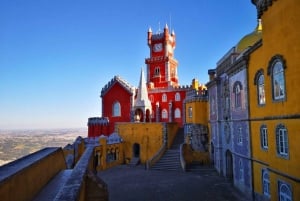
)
(275, 110)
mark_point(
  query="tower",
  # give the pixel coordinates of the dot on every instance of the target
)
(161, 66)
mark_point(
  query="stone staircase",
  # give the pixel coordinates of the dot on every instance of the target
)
(171, 159)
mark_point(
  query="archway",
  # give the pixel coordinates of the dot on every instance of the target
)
(139, 116)
(136, 150)
(148, 115)
(229, 165)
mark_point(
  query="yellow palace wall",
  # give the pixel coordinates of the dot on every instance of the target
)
(199, 112)
(148, 135)
(280, 36)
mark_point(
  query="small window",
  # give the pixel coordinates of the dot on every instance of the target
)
(285, 193)
(116, 109)
(164, 114)
(282, 140)
(177, 96)
(266, 183)
(190, 112)
(164, 98)
(177, 113)
(264, 137)
(156, 71)
(237, 87)
(259, 81)
(261, 90)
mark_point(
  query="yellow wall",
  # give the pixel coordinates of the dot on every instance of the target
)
(32, 179)
(148, 135)
(280, 35)
(199, 114)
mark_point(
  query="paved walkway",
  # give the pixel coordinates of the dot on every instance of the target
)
(135, 183)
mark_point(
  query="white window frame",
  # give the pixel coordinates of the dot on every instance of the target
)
(264, 137)
(116, 110)
(164, 98)
(177, 113)
(164, 114)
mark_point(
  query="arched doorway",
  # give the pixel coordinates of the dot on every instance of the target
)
(139, 116)
(212, 153)
(136, 150)
(229, 165)
(148, 115)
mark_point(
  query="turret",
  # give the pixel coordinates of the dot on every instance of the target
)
(149, 36)
(166, 33)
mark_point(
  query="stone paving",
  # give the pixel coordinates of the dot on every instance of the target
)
(136, 183)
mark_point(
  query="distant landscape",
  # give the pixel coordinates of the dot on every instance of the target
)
(15, 144)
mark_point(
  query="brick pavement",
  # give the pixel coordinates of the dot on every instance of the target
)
(135, 183)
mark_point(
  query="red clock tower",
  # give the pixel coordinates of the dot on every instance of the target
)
(165, 93)
(161, 66)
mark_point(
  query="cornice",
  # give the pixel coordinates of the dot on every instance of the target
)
(262, 6)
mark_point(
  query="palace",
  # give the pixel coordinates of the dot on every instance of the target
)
(244, 122)
(158, 98)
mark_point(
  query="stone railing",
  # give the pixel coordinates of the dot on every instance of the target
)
(182, 159)
(77, 187)
(156, 157)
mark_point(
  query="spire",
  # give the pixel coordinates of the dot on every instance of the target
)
(259, 25)
(142, 99)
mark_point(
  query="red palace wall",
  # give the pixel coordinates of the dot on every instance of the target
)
(157, 97)
(114, 94)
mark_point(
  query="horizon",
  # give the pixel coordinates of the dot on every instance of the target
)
(56, 56)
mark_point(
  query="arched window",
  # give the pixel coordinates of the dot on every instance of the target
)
(264, 137)
(190, 112)
(259, 81)
(116, 109)
(237, 87)
(276, 69)
(282, 140)
(285, 193)
(177, 113)
(266, 183)
(156, 71)
(164, 98)
(177, 96)
(164, 114)
(261, 90)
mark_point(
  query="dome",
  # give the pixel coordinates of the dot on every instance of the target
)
(250, 39)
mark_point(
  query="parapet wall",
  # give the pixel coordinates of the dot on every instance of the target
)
(148, 137)
(24, 178)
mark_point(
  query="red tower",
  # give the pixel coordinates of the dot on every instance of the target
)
(161, 66)
(165, 93)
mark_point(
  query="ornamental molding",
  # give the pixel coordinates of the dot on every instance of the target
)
(262, 6)
(122, 82)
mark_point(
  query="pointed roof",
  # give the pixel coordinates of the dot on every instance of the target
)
(122, 82)
(142, 99)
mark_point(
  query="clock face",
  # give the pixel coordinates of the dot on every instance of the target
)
(157, 47)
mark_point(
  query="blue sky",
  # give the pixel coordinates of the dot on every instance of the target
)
(56, 55)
